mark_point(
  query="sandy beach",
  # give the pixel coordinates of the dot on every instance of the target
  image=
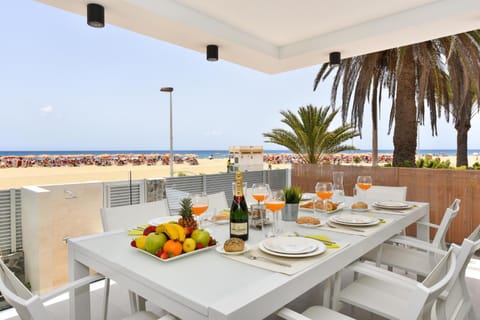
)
(18, 177)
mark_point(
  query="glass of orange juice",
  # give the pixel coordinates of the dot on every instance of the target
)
(199, 205)
(260, 191)
(324, 191)
(363, 184)
(275, 202)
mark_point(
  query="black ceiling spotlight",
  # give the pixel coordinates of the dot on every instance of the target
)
(212, 52)
(335, 58)
(95, 15)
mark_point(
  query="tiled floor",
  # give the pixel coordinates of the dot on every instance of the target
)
(119, 303)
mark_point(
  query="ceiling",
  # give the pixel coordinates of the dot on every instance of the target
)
(274, 36)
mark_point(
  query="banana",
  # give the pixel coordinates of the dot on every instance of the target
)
(174, 231)
(181, 232)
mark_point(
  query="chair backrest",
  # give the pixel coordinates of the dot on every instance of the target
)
(124, 217)
(379, 193)
(441, 234)
(217, 201)
(27, 305)
(422, 300)
(455, 302)
(173, 197)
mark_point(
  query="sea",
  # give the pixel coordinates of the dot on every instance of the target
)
(204, 154)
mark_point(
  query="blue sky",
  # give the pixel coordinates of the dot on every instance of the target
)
(66, 86)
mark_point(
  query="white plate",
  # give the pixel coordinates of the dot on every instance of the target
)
(183, 255)
(311, 226)
(320, 249)
(160, 220)
(351, 219)
(359, 209)
(225, 221)
(222, 251)
(340, 207)
(290, 245)
(392, 205)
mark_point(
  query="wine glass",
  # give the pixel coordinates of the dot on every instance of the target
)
(324, 191)
(275, 202)
(363, 184)
(260, 191)
(199, 205)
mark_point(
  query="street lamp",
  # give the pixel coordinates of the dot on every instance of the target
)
(170, 90)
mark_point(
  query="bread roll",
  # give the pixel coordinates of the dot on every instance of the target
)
(359, 205)
(234, 245)
(307, 220)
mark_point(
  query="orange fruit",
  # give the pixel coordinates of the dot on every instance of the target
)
(173, 248)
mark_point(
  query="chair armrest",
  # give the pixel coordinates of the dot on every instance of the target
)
(289, 314)
(418, 244)
(428, 224)
(382, 274)
(71, 285)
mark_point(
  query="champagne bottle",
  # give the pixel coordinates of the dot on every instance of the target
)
(239, 211)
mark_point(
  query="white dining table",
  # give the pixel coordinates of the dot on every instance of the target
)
(208, 285)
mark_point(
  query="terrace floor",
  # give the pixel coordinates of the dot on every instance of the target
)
(119, 304)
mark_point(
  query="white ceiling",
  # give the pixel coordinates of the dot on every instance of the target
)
(274, 36)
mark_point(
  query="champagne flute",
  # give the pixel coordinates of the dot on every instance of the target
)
(199, 205)
(275, 202)
(363, 184)
(324, 191)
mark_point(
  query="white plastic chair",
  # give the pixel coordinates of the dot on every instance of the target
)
(455, 302)
(426, 255)
(385, 193)
(217, 201)
(312, 313)
(173, 197)
(392, 295)
(123, 218)
(31, 307)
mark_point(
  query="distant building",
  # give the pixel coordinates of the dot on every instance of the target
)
(246, 158)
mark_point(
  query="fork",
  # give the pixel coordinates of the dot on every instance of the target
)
(254, 257)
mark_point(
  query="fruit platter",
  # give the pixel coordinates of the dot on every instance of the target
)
(173, 240)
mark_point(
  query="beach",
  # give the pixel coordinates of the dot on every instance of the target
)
(19, 177)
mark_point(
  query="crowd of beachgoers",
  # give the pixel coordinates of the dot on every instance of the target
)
(163, 159)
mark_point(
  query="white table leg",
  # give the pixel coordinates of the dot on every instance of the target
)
(423, 231)
(80, 297)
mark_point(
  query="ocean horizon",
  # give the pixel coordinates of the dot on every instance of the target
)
(203, 154)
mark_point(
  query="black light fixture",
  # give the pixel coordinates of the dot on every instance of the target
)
(212, 52)
(335, 58)
(95, 15)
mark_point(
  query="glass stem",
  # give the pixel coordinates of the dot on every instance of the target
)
(275, 223)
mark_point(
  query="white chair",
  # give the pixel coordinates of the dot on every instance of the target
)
(31, 307)
(123, 218)
(173, 197)
(455, 302)
(426, 255)
(385, 193)
(392, 295)
(312, 313)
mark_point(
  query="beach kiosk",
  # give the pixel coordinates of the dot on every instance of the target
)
(245, 158)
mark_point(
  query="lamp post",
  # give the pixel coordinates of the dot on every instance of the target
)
(170, 90)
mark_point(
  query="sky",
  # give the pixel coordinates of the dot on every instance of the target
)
(67, 86)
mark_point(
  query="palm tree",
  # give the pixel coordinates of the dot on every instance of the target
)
(412, 75)
(309, 137)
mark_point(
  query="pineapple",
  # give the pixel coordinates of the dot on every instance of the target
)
(187, 219)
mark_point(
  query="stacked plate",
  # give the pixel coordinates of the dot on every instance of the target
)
(293, 247)
(355, 220)
(392, 205)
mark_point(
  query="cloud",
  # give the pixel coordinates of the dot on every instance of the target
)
(46, 109)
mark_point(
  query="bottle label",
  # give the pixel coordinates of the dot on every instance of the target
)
(238, 229)
(238, 184)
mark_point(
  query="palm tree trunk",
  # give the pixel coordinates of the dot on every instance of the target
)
(405, 132)
(462, 125)
(374, 129)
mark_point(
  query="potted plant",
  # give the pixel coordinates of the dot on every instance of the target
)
(293, 195)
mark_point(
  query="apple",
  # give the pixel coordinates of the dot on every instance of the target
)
(201, 237)
(149, 230)
(188, 231)
(155, 242)
(189, 245)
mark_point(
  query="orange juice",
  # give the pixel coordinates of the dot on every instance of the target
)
(259, 196)
(275, 205)
(324, 194)
(199, 209)
(364, 186)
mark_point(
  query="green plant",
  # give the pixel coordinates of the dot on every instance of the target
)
(181, 174)
(292, 194)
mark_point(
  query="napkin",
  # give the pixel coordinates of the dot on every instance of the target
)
(320, 237)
